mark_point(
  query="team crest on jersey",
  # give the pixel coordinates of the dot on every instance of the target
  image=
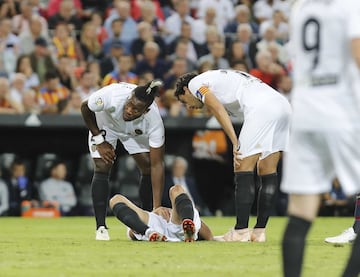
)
(138, 132)
(99, 102)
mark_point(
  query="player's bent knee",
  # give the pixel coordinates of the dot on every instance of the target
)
(176, 190)
(118, 198)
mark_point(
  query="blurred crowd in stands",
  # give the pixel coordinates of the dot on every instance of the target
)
(55, 53)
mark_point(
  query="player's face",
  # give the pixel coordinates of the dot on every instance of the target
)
(133, 109)
(190, 100)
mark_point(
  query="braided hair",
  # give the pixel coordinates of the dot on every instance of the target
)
(148, 92)
(182, 82)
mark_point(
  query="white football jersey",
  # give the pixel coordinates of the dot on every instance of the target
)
(229, 87)
(320, 36)
(108, 103)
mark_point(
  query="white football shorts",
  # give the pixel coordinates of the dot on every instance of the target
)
(314, 159)
(266, 129)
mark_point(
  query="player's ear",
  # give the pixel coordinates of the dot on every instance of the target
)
(185, 88)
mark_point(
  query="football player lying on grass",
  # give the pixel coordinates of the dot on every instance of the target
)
(182, 223)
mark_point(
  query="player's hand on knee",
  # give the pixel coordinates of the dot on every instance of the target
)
(165, 213)
(237, 156)
(107, 152)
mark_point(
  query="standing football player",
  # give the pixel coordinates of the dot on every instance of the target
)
(325, 38)
(128, 113)
(264, 135)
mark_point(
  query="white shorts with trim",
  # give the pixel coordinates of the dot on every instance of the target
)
(172, 231)
(266, 129)
(133, 145)
(314, 159)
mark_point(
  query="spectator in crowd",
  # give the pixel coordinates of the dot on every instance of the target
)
(54, 7)
(239, 65)
(28, 36)
(126, 105)
(7, 9)
(201, 25)
(129, 28)
(181, 52)
(17, 88)
(111, 61)
(73, 104)
(116, 27)
(65, 15)
(178, 68)
(151, 13)
(56, 189)
(52, 93)
(216, 56)
(30, 103)
(90, 46)
(212, 35)
(269, 38)
(101, 33)
(152, 62)
(20, 188)
(185, 35)
(236, 52)
(179, 176)
(280, 25)
(41, 60)
(65, 44)
(145, 34)
(267, 71)
(95, 69)
(263, 10)
(9, 47)
(242, 16)
(181, 223)
(174, 22)
(123, 74)
(7, 104)
(244, 34)
(87, 84)
(21, 22)
(225, 11)
(23, 66)
(66, 72)
(4, 197)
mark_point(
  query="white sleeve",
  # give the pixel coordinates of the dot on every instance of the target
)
(100, 100)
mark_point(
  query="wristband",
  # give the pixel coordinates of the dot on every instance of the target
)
(99, 139)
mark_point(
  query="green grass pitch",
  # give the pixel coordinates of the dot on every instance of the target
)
(66, 247)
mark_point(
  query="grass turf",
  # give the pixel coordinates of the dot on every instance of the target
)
(66, 247)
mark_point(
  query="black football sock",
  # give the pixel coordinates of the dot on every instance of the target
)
(244, 197)
(356, 225)
(145, 192)
(184, 206)
(129, 217)
(266, 198)
(293, 245)
(100, 193)
(353, 266)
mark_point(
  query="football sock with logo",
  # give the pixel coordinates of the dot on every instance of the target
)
(129, 217)
(145, 192)
(293, 245)
(244, 197)
(356, 225)
(184, 206)
(100, 194)
(353, 266)
(266, 198)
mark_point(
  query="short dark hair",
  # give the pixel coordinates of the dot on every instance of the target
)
(182, 82)
(148, 92)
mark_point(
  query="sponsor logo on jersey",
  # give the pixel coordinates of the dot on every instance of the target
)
(138, 132)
